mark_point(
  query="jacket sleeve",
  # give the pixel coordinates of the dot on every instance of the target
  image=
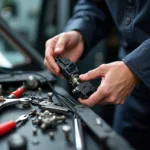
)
(139, 62)
(92, 19)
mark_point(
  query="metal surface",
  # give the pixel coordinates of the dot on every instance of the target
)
(43, 140)
(9, 102)
(22, 118)
(109, 138)
(45, 105)
(79, 140)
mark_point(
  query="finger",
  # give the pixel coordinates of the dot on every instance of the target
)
(93, 99)
(61, 44)
(49, 56)
(47, 66)
(93, 74)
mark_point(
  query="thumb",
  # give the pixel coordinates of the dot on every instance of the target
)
(93, 74)
(62, 42)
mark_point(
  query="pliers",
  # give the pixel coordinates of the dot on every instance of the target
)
(8, 102)
(8, 126)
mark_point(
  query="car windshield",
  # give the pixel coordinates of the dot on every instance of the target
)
(10, 55)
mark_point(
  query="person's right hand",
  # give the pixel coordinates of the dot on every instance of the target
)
(67, 44)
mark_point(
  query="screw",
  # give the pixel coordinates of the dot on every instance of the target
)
(39, 120)
(40, 91)
(51, 135)
(33, 112)
(50, 95)
(63, 118)
(98, 121)
(43, 126)
(34, 131)
(46, 112)
(66, 129)
(37, 113)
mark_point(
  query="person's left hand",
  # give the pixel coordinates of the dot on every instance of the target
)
(117, 83)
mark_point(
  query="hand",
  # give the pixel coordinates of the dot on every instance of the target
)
(117, 83)
(67, 44)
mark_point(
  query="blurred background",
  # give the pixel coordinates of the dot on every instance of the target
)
(38, 20)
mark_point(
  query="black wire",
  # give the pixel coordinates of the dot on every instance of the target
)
(49, 84)
(57, 95)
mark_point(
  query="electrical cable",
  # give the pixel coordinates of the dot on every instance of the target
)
(58, 95)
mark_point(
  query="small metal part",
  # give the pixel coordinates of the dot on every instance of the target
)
(40, 91)
(37, 113)
(98, 121)
(2, 99)
(63, 118)
(50, 114)
(50, 95)
(33, 112)
(66, 129)
(34, 121)
(34, 131)
(43, 126)
(46, 112)
(51, 135)
(32, 82)
(41, 114)
(74, 80)
(39, 120)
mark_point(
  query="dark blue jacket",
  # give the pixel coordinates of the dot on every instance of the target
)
(95, 18)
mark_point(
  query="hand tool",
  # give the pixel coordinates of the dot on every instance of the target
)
(97, 125)
(14, 101)
(50, 106)
(8, 126)
(17, 93)
(66, 129)
(79, 142)
(30, 83)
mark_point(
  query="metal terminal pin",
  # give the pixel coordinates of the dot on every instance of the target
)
(34, 131)
(40, 91)
(66, 129)
(50, 95)
(51, 135)
(63, 118)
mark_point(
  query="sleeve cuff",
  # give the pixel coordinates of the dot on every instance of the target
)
(138, 62)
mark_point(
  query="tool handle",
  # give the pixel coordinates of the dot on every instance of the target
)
(17, 93)
(7, 126)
